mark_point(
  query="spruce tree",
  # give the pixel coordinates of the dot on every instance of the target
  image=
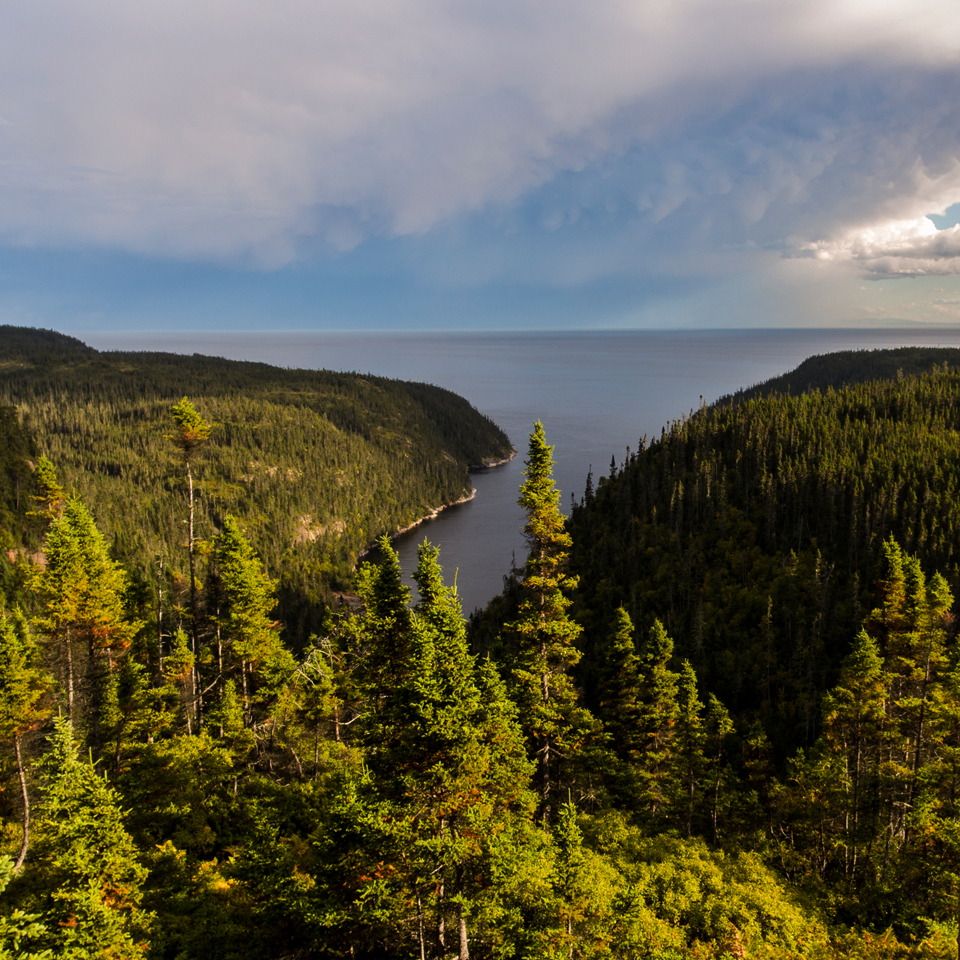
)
(571, 880)
(619, 691)
(541, 642)
(83, 619)
(20, 931)
(690, 740)
(720, 778)
(854, 724)
(447, 753)
(51, 498)
(192, 433)
(86, 860)
(656, 716)
(251, 635)
(386, 624)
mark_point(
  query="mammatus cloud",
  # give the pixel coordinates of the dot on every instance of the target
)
(253, 130)
(903, 248)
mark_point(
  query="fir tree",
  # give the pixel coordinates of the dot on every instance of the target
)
(51, 498)
(83, 615)
(620, 683)
(541, 641)
(720, 779)
(251, 636)
(386, 624)
(657, 712)
(853, 725)
(690, 739)
(19, 930)
(87, 860)
(448, 754)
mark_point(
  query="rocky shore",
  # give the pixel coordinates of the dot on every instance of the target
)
(433, 514)
(489, 464)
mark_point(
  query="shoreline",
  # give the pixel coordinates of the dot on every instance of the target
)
(492, 464)
(433, 514)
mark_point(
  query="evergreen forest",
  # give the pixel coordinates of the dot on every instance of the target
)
(714, 714)
(316, 465)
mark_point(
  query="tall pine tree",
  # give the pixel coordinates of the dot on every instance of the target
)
(541, 642)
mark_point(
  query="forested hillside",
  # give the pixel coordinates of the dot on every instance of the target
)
(177, 783)
(848, 367)
(753, 530)
(315, 465)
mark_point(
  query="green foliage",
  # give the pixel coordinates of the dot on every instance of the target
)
(51, 496)
(23, 680)
(619, 688)
(19, 930)
(755, 530)
(315, 465)
(385, 792)
(539, 647)
(82, 617)
(17, 455)
(81, 585)
(248, 639)
(871, 808)
(445, 749)
(707, 897)
(192, 430)
(88, 865)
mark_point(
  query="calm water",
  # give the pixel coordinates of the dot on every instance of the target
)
(595, 392)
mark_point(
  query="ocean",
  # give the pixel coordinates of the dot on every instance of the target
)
(596, 393)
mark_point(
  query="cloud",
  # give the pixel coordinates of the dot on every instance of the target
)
(903, 248)
(264, 131)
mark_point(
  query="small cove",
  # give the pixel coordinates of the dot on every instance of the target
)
(596, 392)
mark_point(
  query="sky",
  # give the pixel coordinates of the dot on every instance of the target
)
(505, 164)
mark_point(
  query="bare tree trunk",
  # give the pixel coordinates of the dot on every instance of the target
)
(195, 678)
(423, 946)
(441, 924)
(544, 764)
(26, 806)
(246, 699)
(160, 618)
(69, 645)
(219, 651)
(544, 771)
(220, 666)
(464, 947)
(95, 691)
(464, 953)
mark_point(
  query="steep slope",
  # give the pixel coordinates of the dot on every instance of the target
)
(315, 464)
(752, 530)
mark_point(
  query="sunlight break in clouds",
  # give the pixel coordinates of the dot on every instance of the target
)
(247, 130)
(901, 248)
